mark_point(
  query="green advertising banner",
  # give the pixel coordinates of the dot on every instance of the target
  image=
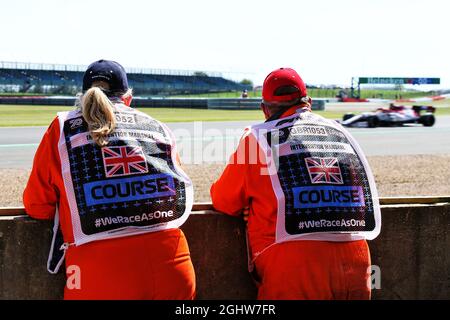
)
(384, 80)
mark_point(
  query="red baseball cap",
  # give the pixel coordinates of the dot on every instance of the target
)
(283, 85)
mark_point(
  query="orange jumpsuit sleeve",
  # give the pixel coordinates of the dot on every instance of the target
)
(229, 193)
(41, 194)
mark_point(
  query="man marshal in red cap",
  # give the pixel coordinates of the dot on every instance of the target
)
(310, 197)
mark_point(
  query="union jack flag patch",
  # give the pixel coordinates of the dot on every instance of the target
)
(324, 170)
(124, 161)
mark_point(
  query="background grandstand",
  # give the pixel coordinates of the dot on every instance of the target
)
(67, 79)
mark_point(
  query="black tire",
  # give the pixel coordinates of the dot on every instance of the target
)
(373, 122)
(347, 116)
(427, 120)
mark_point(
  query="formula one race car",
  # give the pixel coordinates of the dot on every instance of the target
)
(394, 116)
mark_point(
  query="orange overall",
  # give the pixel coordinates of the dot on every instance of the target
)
(150, 266)
(290, 270)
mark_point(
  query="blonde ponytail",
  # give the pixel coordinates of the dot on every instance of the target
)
(98, 112)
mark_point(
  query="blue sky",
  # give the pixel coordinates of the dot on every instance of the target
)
(327, 42)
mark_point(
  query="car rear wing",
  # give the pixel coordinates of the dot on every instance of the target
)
(419, 109)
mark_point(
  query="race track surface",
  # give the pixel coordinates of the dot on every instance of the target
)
(210, 142)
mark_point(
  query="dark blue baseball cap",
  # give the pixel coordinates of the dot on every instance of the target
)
(110, 72)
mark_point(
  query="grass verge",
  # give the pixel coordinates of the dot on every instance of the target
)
(25, 116)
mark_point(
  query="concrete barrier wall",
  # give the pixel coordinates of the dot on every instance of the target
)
(37, 101)
(251, 104)
(413, 253)
(234, 104)
(200, 103)
(137, 102)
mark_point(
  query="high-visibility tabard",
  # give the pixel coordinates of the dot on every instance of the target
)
(323, 183)
(131, 186)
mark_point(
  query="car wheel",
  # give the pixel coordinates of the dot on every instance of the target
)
(372, 122)
(427, 120)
